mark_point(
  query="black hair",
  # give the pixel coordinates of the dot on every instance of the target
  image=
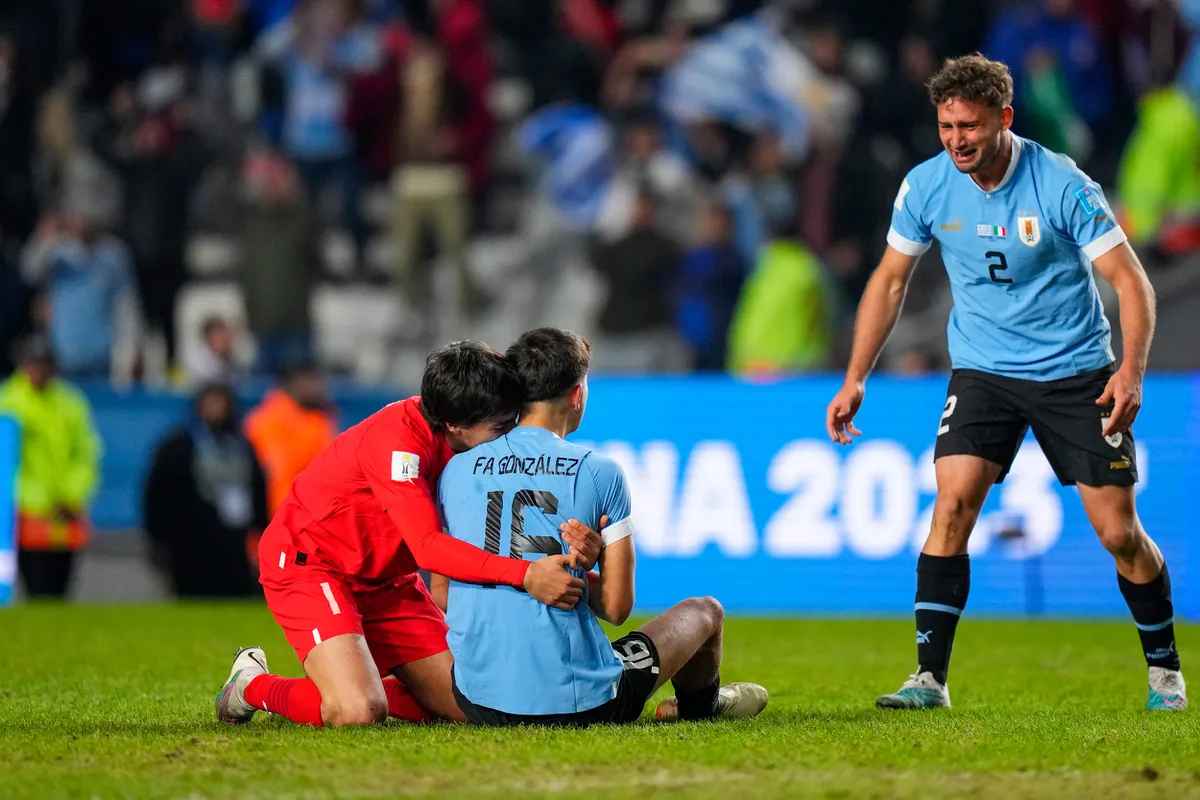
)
(549, 361)
(466, 383)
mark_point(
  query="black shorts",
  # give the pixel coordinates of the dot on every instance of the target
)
(640, 657)
(987, 415)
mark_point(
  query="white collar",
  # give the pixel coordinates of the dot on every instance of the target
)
(1008, 173)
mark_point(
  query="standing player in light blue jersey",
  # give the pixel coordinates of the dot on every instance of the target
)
(517, 661)
(1020, 229)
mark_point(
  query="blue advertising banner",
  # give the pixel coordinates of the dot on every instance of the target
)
(10, 458)
(738, 493)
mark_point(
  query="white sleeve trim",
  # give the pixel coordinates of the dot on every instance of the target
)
(1105, 243)
(906, 246)
(616, 531)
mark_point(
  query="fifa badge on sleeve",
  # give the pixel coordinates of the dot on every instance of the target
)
(405, 466)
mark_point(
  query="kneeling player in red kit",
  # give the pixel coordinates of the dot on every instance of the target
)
(339, 561)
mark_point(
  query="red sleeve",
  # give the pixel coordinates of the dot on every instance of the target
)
(410, 505)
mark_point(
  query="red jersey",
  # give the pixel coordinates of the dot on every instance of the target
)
(365, 509)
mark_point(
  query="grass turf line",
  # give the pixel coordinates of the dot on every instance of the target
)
(117, 702)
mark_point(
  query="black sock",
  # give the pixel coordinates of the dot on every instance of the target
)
(699, 703)
(1154, 615)
(943, 583)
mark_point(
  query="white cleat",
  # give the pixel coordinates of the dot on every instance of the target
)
(248, 664)
(921, 690)
(739, 700)
(1167, 690)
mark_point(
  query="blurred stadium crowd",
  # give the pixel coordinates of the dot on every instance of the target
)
(199, 190)
(200, 194)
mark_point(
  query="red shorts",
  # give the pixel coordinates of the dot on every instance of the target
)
(399, 621)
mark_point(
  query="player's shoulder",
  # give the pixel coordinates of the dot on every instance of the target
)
(1051, 168)
(924, 178)
(398, 429)
(402, 418)
(602, 468)
(930, 172)
(408, 409)
(460, 462)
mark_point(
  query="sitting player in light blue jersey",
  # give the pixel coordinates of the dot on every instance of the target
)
(1021, 230)
(517, 661)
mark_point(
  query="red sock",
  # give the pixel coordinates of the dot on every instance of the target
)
(296, 699)
(401, 704)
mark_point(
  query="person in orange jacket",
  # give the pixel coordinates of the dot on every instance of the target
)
(291, 425)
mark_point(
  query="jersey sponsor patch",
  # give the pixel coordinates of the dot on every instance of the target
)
(405, 466)
(1029, 231)
(904, 187)
(1089, 201)
(991, 231)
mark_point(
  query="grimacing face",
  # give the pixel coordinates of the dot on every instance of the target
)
(972, 132)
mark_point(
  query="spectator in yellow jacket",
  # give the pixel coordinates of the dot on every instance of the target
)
(60, 459)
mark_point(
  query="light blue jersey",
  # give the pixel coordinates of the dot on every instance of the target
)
(1019, 260)
(512, 653)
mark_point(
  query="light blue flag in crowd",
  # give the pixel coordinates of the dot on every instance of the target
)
(10, 458)
(1189, 72)
(742, 74)
(575, 144)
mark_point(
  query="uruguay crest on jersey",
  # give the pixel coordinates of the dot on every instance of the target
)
(1028, 231)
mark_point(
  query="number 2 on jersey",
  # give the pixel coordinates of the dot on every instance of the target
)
(520, 544)
(998, 266)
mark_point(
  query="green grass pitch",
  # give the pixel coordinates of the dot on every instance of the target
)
(118, 702)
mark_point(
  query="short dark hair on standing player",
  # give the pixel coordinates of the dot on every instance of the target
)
(974, 79)
(467, 382)
(549, 362)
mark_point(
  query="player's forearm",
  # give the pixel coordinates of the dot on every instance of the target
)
(595, 590)
(436, 552)
(877, 314)
(608, 602)
(1137, 302)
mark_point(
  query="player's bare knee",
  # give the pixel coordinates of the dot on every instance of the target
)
(713, 612)
(953, 517)
(716, 612)
(1120, 537)
(358, 710)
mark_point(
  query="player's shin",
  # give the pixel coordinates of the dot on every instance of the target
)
(1154, 615)
(696, 704)
(943, 583)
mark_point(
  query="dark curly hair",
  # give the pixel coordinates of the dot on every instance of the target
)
(972, 78)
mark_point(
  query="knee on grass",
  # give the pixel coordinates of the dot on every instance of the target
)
(362, 709)
(710, 610)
